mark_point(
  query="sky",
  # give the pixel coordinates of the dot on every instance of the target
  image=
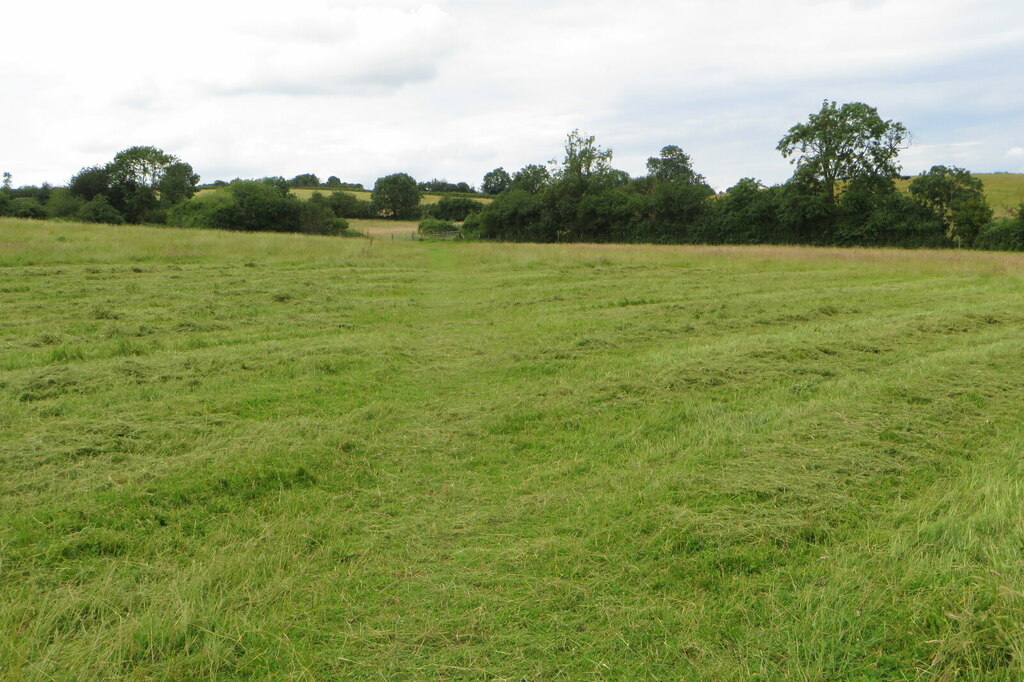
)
(452, 88)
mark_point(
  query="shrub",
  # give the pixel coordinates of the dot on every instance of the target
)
(1001, 234)
(433, 226)
(207, 210)
(99, 210)
(345, 205)
(316, 217)
(454, 208)
(25, 207)
(63, 204)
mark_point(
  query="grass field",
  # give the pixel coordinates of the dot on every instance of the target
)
(241, 456)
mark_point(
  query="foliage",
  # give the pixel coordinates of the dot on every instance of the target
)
(454, 208)
(25, 207)
(345, 205)
(306, 180)
(496, 181)
(844, 142)
(179, 182)
(63, 204)
(433, 226)
(139, 166)
(674, 165)
(957, 198)
(584, 163)
(437, 185)
(395, 196)
(99, 210)
(1002, 234)
(530, 178)
(141, 183)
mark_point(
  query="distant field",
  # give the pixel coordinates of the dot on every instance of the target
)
(1004, 191)
(364, 195)
(283, 457)
(385, 228)
(427, 198)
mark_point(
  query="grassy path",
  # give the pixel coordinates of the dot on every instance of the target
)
(269, 456)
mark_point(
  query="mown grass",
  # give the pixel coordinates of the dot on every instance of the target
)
(285, 457)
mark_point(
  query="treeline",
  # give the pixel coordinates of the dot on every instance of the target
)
(145, 185)
(842, 193)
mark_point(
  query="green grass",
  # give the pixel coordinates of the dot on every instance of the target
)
(280, 457)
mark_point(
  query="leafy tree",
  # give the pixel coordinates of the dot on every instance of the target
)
(333, 181)
(25, 207)
(90, 182)
(63, 204)
(179, 182)
(139, 166)
(454, 208)
(8, 180)
(584, 160)
(957, 198)
(530, 178)
(496, 181)
(673, 165)
(844, 142)
(99, 210)
(395, 195)
(305, 180)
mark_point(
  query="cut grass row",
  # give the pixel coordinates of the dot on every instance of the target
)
(286, 457)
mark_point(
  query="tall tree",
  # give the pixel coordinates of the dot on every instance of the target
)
(674, 165)
(496, 181)
(140, 166)
(179, 182)
(957, 198)
(395, 195)
(584, 159)
(844, 142)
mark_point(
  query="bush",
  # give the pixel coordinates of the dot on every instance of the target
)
(99, 210)
(1001, 234)
(317, 218)
(453, 208)
(25, 207)
(345, 205)
(433, 226)
(63, 204)
(209, 210)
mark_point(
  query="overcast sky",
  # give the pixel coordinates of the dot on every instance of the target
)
(454, 88)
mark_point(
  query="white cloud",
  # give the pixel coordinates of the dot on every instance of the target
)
(456, 87)
(1015, 153)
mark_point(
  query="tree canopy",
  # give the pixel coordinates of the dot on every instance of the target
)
(496, 181)
(843, 143)
(395, 195)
